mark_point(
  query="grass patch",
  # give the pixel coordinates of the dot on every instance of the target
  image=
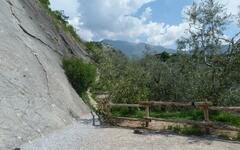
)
(226, 117)
(126, 112)
(179, 114)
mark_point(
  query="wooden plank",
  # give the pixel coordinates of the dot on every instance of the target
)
(125, 105)
(131, 119)
(160, 103)
(205, 111)
(206, 116)
(227, 109)
(176, 104)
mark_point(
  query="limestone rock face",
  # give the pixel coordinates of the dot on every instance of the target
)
(35, 95)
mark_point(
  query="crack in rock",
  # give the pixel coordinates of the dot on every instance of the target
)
(42, 66)
(45, 72)
(67, 44)
(28, 33)
(14, 15)
(33, 36)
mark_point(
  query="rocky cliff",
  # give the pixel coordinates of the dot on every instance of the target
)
(35, 95)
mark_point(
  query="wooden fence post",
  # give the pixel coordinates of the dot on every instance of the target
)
(147, 115)
(206, 116)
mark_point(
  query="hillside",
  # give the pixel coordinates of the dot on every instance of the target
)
(136, 49)
(36, 97)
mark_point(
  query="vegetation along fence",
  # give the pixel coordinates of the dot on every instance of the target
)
(204, 106)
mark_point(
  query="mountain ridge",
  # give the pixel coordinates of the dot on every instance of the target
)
(136, 49)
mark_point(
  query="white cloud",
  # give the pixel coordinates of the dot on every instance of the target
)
(85, 33)
(116, 19)
(108, 19)
(165, 35)
(146, 14)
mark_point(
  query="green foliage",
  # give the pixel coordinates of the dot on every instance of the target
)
(184, 114)
(226, 117)
(80, 74)
(127, 112)
(130, 87)
(164, 56)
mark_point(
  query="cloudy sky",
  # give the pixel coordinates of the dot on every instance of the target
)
(157, 22)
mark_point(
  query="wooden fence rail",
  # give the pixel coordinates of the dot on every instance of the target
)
(205, 106)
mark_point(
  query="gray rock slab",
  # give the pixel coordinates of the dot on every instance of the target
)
(35, 95)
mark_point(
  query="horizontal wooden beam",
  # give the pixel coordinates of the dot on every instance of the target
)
(227, 109)
(176, 104)
(125, 105)
(160, 103)
(131, 119)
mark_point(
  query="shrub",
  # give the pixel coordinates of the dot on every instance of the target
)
(80, 74)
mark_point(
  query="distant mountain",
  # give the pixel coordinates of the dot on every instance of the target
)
(136, 49)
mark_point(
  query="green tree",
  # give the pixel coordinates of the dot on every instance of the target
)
(207, 22)
(131, 86)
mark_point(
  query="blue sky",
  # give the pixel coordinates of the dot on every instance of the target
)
(168, 11)
(157, 22)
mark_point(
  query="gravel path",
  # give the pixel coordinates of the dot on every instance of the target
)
(83, 136)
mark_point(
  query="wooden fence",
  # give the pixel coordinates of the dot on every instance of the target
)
(204, 106)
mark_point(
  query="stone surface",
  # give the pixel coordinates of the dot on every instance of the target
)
(35, 95)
